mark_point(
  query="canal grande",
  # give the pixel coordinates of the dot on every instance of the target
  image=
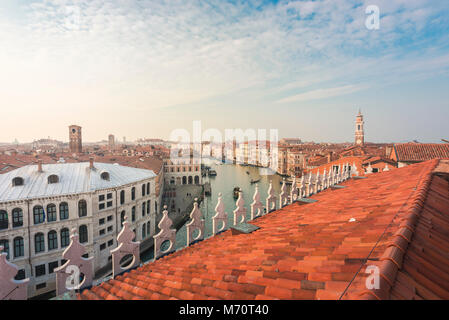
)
(228, 177)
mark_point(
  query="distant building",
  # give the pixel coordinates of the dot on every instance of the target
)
(290, 141)
(75, 137)
(111, 140)
(150, 142)
(359, 130)
(408, 153)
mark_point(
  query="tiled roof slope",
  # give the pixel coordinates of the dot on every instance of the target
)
(411, 152)
(416, 263)
(308, 251)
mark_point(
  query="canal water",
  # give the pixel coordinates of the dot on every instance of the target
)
(228, 177)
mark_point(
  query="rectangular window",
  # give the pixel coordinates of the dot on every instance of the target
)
(110, 218)
(40, 270)
(41, 286)
(101, 221)
(109, 228)
(102, 246)
(110, 243)
(102, 231)
(109, 195)
(101, 206)
(109, 204)
(52, 266)
(101, 198)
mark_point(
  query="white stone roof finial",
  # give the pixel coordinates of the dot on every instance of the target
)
(196, 224)
(220, 216)
(256, 205)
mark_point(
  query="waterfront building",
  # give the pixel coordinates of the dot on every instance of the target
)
(183, 171)
(40, 205)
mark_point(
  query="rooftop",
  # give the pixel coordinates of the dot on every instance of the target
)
(397, 220)
(16, 160)
(417, 152)
(73, 178)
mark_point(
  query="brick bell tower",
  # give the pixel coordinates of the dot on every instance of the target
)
(359, 130)
(76, 144)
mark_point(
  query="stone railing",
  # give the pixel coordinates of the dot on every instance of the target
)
(77, 273)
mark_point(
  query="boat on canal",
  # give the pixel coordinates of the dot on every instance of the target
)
(236, 192)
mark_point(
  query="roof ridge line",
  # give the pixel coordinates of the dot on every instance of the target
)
(393, 256)
(390, 256)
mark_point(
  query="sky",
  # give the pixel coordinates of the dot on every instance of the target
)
(143, 68)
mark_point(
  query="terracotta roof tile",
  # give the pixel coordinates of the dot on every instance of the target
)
(416, 152)
(313, 252)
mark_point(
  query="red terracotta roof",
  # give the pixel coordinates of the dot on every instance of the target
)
(14, 161)
(313, 251)
(417, 152)
(358, 161)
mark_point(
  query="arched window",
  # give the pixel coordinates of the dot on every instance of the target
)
(133, 214)
(17, 181)
(144, 230)
(143, 209)
(5, 245)
(63, 211)
(51, 212)
(143, 190)
(53, 179)
(38, 214)
(122, 197)
(197, 180)
(190, 180)
(19, 250)
(148, 188)
(105, 176)
(17, 218)
(122, 218)
(3, 219)
(155, 206)
(52, 240)
(82, 208)
(148, 206)
(148, 229)
(65, 238)
(83, 235)
(133, 193)
(39, 243)
(184, 180)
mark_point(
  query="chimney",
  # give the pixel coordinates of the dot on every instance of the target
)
(91, 162)
(39, 166)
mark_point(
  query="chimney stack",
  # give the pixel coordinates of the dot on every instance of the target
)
(91, 162)
(39, 165)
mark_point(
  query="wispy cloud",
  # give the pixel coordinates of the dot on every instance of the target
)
(148, 54)
(325, 93)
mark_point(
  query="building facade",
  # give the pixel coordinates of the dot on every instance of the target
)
(40, 205)
(359, 130)
(182, 171)
(75, 139)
